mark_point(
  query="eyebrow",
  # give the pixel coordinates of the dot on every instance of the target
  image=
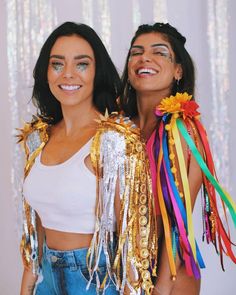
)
(153, 45)
(160, 44)
(76, 57)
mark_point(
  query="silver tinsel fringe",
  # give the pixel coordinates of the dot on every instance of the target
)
(218, 46)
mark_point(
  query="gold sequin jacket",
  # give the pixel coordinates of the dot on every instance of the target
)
(118, 157)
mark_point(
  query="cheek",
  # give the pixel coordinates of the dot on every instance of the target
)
(169, 72)
(86, 73)
(51, 81)
(88, 76)
(53, 74)
(168, 80)
(131, 72)
(52, 88)
(50, 76)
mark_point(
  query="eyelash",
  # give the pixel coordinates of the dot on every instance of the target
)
(135, 53)
(165, 54)
(82, 65)
(58, 65)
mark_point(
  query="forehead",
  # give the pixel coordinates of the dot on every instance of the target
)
(149, 39)
(74, 44)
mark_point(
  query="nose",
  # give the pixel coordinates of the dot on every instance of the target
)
(68, 72)
(68, 75)
(146, 57)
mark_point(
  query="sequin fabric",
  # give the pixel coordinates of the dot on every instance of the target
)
(122, 171)
(33, 137)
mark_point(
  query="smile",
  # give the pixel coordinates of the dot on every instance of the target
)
(69, 87)
(146, 71)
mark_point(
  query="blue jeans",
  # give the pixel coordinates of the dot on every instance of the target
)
(66, 273)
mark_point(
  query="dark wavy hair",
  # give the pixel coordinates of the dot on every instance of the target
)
(107, 84)
(128, 97)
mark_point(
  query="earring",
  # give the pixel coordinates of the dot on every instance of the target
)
(129, 91)
(129, 86)
(177, 84)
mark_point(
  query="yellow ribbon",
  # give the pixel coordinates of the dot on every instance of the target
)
(165, 217)
(184, 177)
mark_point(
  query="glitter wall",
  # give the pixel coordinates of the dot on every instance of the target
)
(218, 22)
(28, 23)
(206, 24)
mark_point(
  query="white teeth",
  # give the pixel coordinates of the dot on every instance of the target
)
(146, 71)
(70, 87)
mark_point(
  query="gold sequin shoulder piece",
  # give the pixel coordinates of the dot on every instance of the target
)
(33, 136)
(119, 159)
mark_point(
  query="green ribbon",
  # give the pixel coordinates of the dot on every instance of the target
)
(226, 198)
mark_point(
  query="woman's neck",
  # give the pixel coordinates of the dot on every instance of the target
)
(77, 118)
(147, 120)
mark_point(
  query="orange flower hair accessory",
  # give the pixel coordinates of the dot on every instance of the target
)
(180, 104)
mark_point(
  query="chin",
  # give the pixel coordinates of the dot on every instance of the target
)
(146, 89)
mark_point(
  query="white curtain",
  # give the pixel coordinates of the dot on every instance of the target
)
(209, 26)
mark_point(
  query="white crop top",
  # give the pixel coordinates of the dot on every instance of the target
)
(63, 195)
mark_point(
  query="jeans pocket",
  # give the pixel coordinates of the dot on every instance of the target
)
(101, 272)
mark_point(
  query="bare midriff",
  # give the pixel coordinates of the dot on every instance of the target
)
(64, 241)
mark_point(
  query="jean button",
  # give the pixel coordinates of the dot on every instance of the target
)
(54, 258)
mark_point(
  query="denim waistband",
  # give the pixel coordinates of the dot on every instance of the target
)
(71, 258)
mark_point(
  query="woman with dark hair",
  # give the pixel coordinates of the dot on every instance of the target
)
(106, 80)
(158, 82)
(88, 224)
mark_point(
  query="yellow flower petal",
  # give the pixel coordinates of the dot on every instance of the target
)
(172, 104)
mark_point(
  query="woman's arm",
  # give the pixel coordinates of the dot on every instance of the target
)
(183, 285)
(165, 285)
(28, 282)
(28, 278)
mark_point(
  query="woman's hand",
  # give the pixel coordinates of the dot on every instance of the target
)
(28, 282)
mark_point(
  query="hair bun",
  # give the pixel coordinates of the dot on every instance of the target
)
(166, 28)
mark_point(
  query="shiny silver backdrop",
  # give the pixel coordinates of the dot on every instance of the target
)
(206, 24)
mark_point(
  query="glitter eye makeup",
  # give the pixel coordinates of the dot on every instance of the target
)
(57, 66)
(134, 52)
(82, 66)
(162, 50)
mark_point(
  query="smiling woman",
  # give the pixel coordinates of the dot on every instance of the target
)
(71, 76)
(83, 175)
(145, 75)
(158, 95)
